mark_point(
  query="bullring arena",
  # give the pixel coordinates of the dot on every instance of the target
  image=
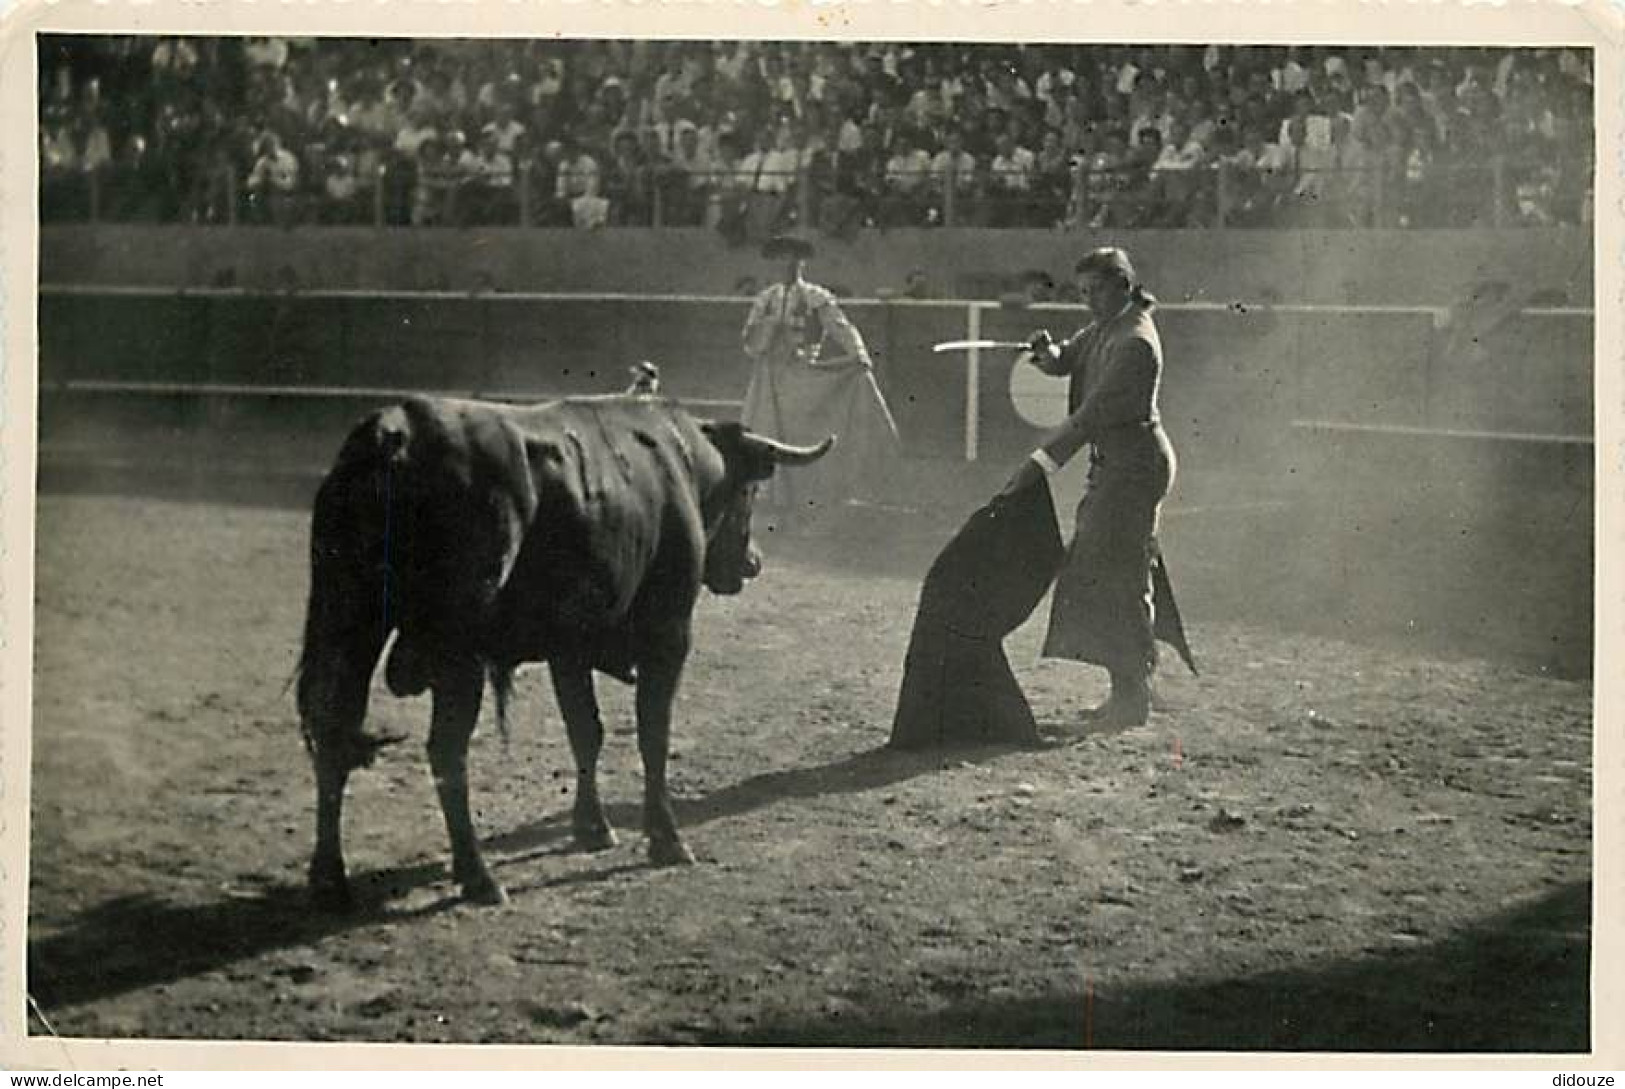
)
(1366, 826)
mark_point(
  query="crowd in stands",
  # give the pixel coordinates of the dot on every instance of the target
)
(747, 137)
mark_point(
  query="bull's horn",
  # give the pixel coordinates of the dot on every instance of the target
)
(785, 454)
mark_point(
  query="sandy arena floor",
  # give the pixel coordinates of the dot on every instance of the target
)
(1313, 845)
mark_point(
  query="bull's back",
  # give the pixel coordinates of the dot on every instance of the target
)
(530, 529)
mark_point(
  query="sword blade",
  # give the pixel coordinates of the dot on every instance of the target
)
(969, 345)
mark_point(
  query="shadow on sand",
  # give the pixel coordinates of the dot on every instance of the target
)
(1516, 982)
(871, 769)
(129, 943)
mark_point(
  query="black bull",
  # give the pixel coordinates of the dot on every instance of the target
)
(482, 536)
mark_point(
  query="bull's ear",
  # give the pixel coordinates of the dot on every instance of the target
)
(734, 443)
(726, 435)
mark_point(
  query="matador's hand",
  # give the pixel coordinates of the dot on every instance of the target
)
(1026, 475)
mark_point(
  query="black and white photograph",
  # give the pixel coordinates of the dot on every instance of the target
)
(837, 541)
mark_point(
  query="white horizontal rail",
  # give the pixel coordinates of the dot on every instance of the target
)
(1239, 307)
(228, 389)
(1443, 432)
(145, 291)
(1242, 307)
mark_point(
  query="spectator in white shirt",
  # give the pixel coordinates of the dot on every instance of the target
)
(96, 146)
(578, 176)
(578, 186)
(746, 176)
(508, 131)
(1182, 152)
(1151, 112)
(1010, 180)
(782, 164)
(672, 84)
(689, 177)
(465, 162)
(1127, 77)
(341, 186)
(549, 82)
(1098, 179)
(1315, 158)
(273, 180)
(731, 65)
(1012, 166)
(688, 154)
(370, 114)
(1291, 77)
(1310, 118)
(1006, 89)
(909, 168)
(907, 173)
(412, 135)
(1175, 181)
(1055, 80)
(62, 191)
(266, 52)
(922, 110)
(1278, 158)
(174, 60)
(953, 163)
(850, 137)
(494, 181)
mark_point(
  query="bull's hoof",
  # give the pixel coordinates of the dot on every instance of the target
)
(670, 852)
(485, 891)
(594, 838)
(330, 892)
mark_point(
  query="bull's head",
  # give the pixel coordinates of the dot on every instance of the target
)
(748, 459)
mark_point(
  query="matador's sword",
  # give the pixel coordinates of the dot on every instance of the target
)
(977, 345)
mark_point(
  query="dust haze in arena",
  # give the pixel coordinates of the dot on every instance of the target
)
(1373, 268)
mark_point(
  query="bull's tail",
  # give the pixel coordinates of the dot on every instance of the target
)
(350, 616)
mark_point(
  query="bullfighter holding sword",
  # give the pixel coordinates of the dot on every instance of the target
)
(1113, 599)
(1103, 612)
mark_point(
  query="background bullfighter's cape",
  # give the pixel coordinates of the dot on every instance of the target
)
(790, 400)
(957, 684)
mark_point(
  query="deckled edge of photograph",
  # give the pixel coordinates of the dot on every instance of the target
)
(1594, 23)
